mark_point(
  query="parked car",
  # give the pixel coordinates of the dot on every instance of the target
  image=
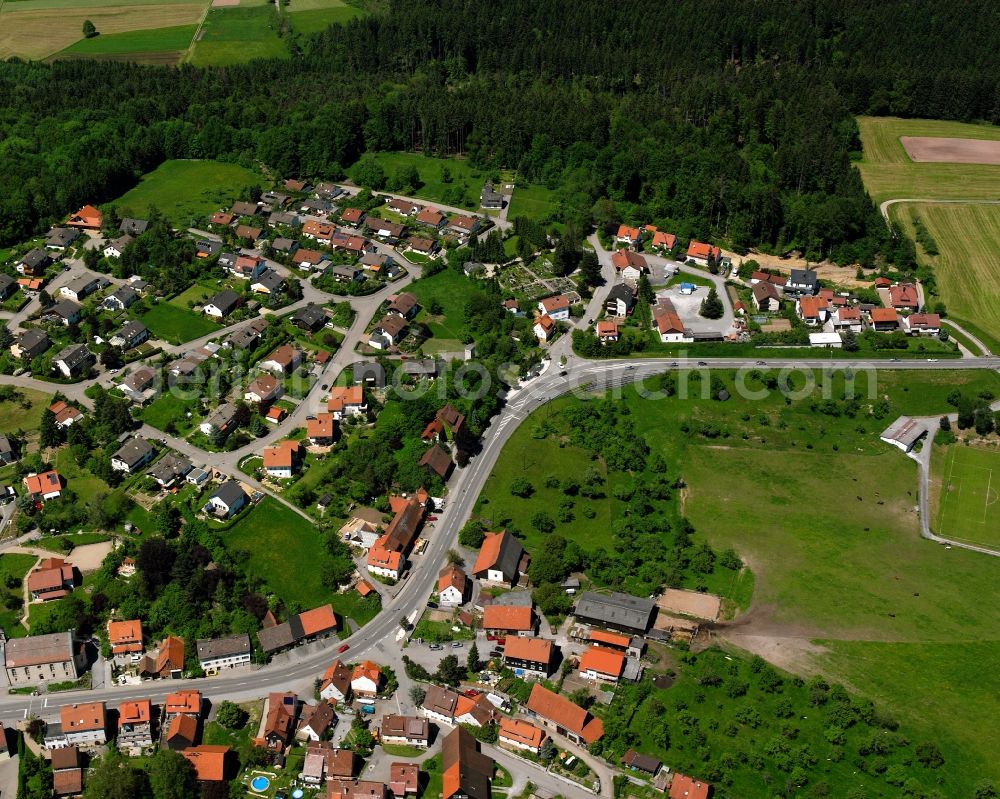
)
(436, 647)
(457, 644)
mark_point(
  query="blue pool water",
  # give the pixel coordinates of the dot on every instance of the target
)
(260, 784)
(297, 793)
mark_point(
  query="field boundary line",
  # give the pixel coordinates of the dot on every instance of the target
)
(885, 205)
(194, 38)
(986, 499)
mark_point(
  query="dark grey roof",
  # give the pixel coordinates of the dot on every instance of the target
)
(170, 467)
(222, 416)
(35, 258)
(343, 271)
(281, 635)
(310, 315)
(618, 610)
(227, 259)
(134, 451)
(230, 646)
(284, 218)
(229, 492)
(32, 338)
(73, 356)
(208, 246)
(130, 330)
(61, 236)
(64, 309)
(125, 295)
(284, 245)
(270, 280)
(369, 371)
(803, 276)
(245, 209)
(621, 292)
(6, 281)
(375, 259)
(83, 285)
(424, 368)
(225, 300)
(121, 242)
(133, 227)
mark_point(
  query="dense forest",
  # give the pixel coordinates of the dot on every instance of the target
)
(720, 119)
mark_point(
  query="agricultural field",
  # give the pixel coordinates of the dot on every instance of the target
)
(187, 191)
(965, 493)
(843, 584)
(889, 173)
(234, 35)
(154, 46)
(313, 16)
(967, 262)
(37, 29)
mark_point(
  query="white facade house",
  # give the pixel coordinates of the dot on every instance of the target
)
(218, 654)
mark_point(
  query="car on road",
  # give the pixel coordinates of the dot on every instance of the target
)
(343, 648)
(762, 363)
(702, 363)
(432, 605)
(457, 644)
(562, 373)
(324, 387)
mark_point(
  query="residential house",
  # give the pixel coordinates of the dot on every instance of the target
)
(284, 219)
(227, 500)
(263, 390)
(355, 789)
(65, 414)
(615, 611)
(904, 297)
(629, 236)
(168, 663)
(635, 761)
(463, 225)
(279, 721)
(405, 730)
(209, 762)
(421, 245)
(346, 401)
(366, 679)
(222, 304)
(779, 281)
(59, 238)
(885, 319)
(133, 227)
(802, 281)
(182, 703)
(685, 787)
(388, 333)
(247, 336)
(404, 305)
(115, 247)
(228, 652)
(315, 721)
(267, 282)
(223, 218)
(620, 301)
(600, 664)
(882, 282)
(668, 323)
(557, 307)
(847, 318)
(30, 344)
(702, 253)
(125, 639)
(344, 274)
(43, 486)
(87, 218)
(544, 328)
(318, 231)
(437, 461)
(121, 298)
(56, 657)
(135, 724)
(138, 386)
(402, 207)
(923, 323)
(274, 199)
(52, 578)
(283, 360)
(248, 267)
(431, 217)
(404, 779)
(315, 623)
(607, 331)
(505, 620)
(352, 216)
(284, 246)
(812, 310)
(766, 297)
(490, 199)
(529, 657)
(465, 771)
(181, 732)
(385, 562)
(500, 559)
(84, 724)
(220, 421)
(519, 734)
(336, 683)
(131, 334)
(402, 530)
(321, 429)
(629, 264)
(67, 771)
(65, 312)
(33, 263)
(448, 706)
(298, 186)
(452, 586)
(80, 288)
(661, 240)
(383, 229)
(558, 713)
(7, 286)
(310, 317)
(282, 460)
(245, 209)
(8, 450)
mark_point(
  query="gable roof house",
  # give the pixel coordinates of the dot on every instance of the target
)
(452, 586)
(346, 401)
(685, 787)
(33, 263)
(352, 216)
(431, 217)
(847, 317)
(31, 343)
(67, 772)
(84, 724)
(463, 225)
(500, 559)
(465, 771)
(209, 761)
(607, 331)
(600, 664)
(629, 264)
(115, 247)
(135, 724)
(59, 238)
(802, 281)
(81, 287)
(366, 679)
(247, 267)
(662, 240)
(65, 414)
(904, 297)
(403, 304)
(52, 578)
(133, 227)
(668, 323)
(309, 317)
(422, 245)
(402, 530)
(560, 714)
(529, 657)
(885, 319)
(701, 253)
(402, 207)
(503, 620)
(388, 333)
(241, 208)
(121, 298)
(282, 460)
(222, 420)
(7, 286)
(336, 682)
(630, 236)
(521, 735)
(765, 296)
(321, 429)
(44, 658)
(222, 304)
(131, 334)
(811, 310)
(620, 301)
(73, 360)
(490, 199)
(383, 561)
(315, 721)
(228, 652)
(223, 218)
(926, 323)
(132, 455)
(247, 336)
(405, 730)
(263, 389)
(437, 461)
(556, 307)
(383, 229)
(267, 282)
(87, 218)
(321, 621)
(282, 360)
(404, 779)
(168, 662)
(66, 312)
(615, 611)
(226, 500)
(279, 721)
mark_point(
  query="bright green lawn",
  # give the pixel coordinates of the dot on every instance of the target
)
(534, 202)
(14, 416)
(464, 177)
(170, 408)
(187, 191)
(84, 484)
(234, 35)
(176, 325)
(312, 16)
(155, 40)
(967, 507)
(13, 565)
(197, 294)
(450, 289)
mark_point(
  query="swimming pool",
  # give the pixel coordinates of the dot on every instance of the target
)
(260, 783)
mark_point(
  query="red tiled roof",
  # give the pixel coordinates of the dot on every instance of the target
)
(622, 259)
(903, 294)
(282, 455)
(626, 232)
(209, 761)
(85, 717)
(522, 732)
(684, 787)
(609, 639)
(137, 712)
(698, 249)
(884, 315)
(489, 551)
(352, 214)
(537, 650)
(318, 620)
(321, 426)
(556, 303)
(603, 661)
(507, 617)
(566, 714)
(811, 306)
(665, 240)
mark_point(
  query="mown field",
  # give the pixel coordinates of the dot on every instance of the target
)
(233, 35)
(889, 173)
(312, 16)
(187, 191)
(964, 494)
(968, 261)
(534, 202)
(176, 325)
(825, 515)
(37, 29)
(158, 45)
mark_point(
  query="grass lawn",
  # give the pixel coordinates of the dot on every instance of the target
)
(15, 416)
(176, 325)
(966, 506)
(197, 293)
(13, 565)
(234, 35)
(534, 202)
(441, 631)
(888, 171)
(312, 16)
(463, 190)
(451, 290)
(135, 43)
(241, 739)
(967, 262)
(401, 750)
(170, 408)
(85, 485)
(187, 190)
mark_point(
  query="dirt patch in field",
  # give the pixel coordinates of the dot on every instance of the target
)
(845, 276)
(933, 149)
(224, 3)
